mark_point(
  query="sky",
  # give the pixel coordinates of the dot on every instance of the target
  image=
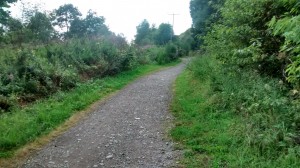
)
(122, 16)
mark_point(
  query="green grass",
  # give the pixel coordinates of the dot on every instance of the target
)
(21, 126)
(202, 132)
(230, 119)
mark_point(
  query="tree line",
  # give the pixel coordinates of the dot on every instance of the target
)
(39, 26)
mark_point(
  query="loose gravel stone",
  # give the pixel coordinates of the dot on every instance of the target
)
(109, 156)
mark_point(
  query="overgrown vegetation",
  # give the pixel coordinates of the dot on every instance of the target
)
(36, 60)
(238, 104)
(47, 74)
(234, 119)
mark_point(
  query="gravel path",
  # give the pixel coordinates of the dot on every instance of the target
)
(128, 130)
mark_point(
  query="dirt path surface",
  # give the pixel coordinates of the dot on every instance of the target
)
(128, 130)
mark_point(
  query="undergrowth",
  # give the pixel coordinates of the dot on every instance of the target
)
(231, 118)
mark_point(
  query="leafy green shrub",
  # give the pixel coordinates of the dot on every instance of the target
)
(288, 27)
(253, 49)
(269, 113)
(39, 71)
(171, 52)
(129, 59)
(143, 56)
(165, 54)
(162, 57)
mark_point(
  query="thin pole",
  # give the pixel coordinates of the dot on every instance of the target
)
(173, 15)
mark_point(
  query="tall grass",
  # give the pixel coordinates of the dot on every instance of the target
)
(231, 118)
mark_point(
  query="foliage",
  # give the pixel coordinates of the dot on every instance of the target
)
(95, 24)
(185, 43)
(65, 14)
(41, 27)
(32, 73)
(288, 27)
(234, 118)
(3, 13)
(91, 26)
(203, 13)
(162, 55)
(16, 34)
(243, 38)
(142, 32)
(164, 34)
(250, 79)
(37, 72)
(147, 35)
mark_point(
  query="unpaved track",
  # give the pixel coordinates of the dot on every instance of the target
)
(128, 130)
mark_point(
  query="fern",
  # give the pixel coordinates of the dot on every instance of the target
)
(288, 27)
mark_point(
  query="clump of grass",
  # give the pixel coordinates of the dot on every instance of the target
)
(21, 126)
(232, 118)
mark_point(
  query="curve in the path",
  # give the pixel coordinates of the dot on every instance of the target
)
(126, 131)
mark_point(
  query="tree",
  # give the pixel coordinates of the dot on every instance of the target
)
(185, 42)
(164, 34)
(77, 28)
(95, 24)
(65, 14)
(15, 32)
(204, 13)
(92, 25)
(3, 13)
(142, 32)
(40, 26)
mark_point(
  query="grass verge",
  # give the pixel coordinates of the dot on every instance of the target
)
(201, 132)
(232, 119)
(22, 126)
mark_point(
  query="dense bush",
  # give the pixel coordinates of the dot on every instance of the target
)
(266, 126)
(261, 35)
(31, 73)
(287, 26)
(37, 71)
(166, 54)
(252, 65)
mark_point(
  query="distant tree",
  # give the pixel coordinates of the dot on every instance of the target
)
(95, 24)
(3, 13)
(164, 34)
(65, 14)
(92, 25)
(16, 33)
(40, 26)
(77, 28)
(186, 42)
(142, 32)
(14, 24)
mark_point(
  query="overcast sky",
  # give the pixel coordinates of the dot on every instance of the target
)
(122, 16)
